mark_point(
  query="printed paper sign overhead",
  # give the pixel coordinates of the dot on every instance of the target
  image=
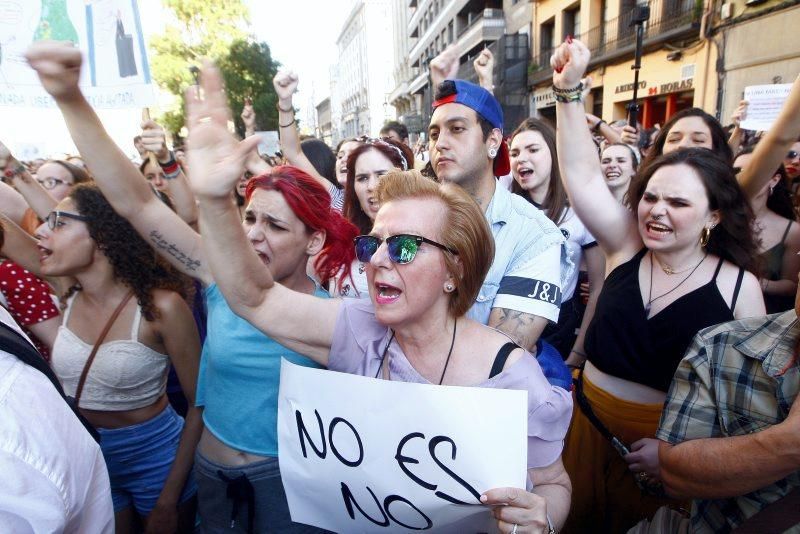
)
(359, 454)
(115, 74)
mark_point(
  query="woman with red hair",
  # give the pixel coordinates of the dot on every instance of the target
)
(288, 220)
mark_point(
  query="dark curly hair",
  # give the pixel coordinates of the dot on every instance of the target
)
(134, 263)
(733, 237)
(719, 141)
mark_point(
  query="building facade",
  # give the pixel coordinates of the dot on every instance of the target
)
(759, 46)
(361, 80)
(677, 67)
(432, 25)
(324, 128)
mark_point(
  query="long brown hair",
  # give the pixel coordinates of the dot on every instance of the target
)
(555, 202)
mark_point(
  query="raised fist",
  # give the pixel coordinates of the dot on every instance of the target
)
(58, 64)
(285, 83)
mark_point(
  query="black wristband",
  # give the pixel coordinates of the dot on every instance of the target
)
(596, 127)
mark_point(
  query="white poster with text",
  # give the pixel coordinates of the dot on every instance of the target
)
(359, 454)
(764, 103)
(115, 74)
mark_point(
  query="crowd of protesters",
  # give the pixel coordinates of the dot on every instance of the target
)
(621, 276)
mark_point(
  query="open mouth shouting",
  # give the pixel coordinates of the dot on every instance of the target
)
(525, 173)
(657, 229)
(385, 293)
(44, 253)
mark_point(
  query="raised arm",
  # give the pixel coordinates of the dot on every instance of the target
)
(155, 140)
(608, 221)
(58, 66)
(444, 66)
(12, 204)
(217, 161)
(32, 191)
(285, 84)
(484, 68)
(770, 151)
(735, 139)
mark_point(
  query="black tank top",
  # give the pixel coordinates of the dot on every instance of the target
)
(621, 341)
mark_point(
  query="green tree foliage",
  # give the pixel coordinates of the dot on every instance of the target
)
(214, 29)
(248, 70)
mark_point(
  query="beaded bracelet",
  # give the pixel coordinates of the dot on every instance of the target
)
(565, 96)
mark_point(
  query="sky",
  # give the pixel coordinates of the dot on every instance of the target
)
(301, 35)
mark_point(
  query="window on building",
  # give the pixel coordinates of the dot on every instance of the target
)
(547, 37)
(450, 30)
(572, 21)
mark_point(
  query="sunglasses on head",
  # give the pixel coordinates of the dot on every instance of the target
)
(53, 217)
(792, 154)
(402, 247)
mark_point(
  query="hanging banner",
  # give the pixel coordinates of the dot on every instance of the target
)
(115, 73)
(359, 454)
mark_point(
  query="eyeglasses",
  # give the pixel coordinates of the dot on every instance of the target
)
(402, 247)
(53, 218)
(51, 183)
(792, 154)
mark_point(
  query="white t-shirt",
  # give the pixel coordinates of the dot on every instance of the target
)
(578, 239)
(54, 478)
(357, 288)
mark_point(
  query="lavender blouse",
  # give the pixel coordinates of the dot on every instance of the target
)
(358, 344)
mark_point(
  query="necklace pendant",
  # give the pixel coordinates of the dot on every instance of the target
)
(668, 270)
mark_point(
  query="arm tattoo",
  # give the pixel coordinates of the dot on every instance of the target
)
(517, 325)
(162, 244)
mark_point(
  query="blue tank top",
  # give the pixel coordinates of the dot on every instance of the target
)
(239, 376)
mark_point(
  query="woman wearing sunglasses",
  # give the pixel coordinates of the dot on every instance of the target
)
(125, 321)
(425, 257)
(288, 219)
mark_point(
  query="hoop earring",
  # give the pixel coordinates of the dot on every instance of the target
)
(492, 152)
(705, 235)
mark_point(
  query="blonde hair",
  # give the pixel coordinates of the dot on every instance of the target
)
(464, 230)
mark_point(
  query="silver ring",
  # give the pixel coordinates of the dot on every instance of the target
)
(514, 530)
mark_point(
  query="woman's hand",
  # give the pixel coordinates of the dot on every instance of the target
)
(285, 84)
(58, 64)
(444, 66)
(216, 158)
(484, 67)
(517, 510)
(644, 458)
(740, 114)
(163, 519)
(155, 140)
(630, 135)
(569, 62)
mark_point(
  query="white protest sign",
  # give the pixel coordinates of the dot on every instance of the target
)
(115, 73)
(359, 454)
(269, 144)
(764, 105)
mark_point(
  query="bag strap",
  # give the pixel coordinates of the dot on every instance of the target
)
(97, 344)
(13, 343)
(586, 408)
(500, 359)
(775, 517)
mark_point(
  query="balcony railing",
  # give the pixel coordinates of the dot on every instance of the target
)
(481, 15)
(668, 19)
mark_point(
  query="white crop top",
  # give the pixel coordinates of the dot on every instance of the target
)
(125, 374)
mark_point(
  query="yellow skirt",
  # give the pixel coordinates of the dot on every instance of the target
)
(605, 497)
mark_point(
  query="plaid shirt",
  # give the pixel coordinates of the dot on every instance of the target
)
(736, 378)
